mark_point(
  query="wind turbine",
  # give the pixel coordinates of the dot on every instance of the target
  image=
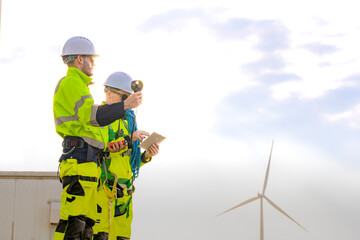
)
(262, 196)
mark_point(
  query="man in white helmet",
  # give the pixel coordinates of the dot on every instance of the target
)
(80, 123)
(120, 169)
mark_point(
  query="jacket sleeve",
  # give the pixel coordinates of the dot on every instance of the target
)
(144, 160)
(82, 102)
(109, 113)
(84, 109)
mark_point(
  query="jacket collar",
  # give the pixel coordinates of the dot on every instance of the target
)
(77, 73)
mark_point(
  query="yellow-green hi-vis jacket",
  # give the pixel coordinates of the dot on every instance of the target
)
(119, 205)
(119, 162)
(75, 111)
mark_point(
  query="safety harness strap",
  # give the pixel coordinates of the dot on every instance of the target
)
(123, 182)
(115, 189)
(120, 210)
(129, 141)
(80, 151)
(126, 182)
(110, 179)
(112, 194)
(105, 169)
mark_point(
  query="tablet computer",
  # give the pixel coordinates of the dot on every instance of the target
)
(153, 138)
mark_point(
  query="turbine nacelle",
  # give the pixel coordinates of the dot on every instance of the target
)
(260, 195)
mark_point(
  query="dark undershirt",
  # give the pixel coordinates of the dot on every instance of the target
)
(108, 113)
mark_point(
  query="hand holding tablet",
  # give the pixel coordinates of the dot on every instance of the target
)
(153, 138)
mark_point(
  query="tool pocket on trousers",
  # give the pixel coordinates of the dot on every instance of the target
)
(119, 210)
(75, 188)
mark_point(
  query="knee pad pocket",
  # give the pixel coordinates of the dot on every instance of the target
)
(101, 236)
(61, 226)
(75, 227)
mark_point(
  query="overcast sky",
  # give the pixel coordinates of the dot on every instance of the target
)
(222, 79)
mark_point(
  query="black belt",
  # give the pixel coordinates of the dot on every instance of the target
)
(77, 148)
(71, 142)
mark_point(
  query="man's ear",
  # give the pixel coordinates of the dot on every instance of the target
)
(108, 97)
(80, 59)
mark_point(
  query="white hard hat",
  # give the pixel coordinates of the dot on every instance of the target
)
(119, 80)
(78, 46)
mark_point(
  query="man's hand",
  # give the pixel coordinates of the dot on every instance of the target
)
(152, 151)
(116, 147)
(140, 135)
(133, 100)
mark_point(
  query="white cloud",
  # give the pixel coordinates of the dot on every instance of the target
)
(218, 120)
(351, 117)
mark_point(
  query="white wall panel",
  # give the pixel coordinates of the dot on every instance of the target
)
(7, 208)
(25, 203)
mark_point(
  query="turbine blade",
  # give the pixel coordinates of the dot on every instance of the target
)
(268, 169)
(283, 212)
(261, 220)
(239, 205)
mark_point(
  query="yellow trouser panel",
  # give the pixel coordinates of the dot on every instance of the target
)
(58, 236)
(120, 225)
(75, 205)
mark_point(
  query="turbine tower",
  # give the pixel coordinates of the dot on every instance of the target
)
(262, 196)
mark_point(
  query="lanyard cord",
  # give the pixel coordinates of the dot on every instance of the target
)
(135, 160)
(133, 127)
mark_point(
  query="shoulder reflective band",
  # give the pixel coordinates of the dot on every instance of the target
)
(94, 143)
(75, 117)
(57, 86)
(125, 124)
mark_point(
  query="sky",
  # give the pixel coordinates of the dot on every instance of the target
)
(222, 80)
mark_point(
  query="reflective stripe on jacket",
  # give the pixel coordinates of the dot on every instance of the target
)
(75, 111)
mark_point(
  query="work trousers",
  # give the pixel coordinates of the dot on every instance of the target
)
(110, 217)
(78, 210)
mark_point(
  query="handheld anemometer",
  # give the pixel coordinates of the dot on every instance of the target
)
(137, 85)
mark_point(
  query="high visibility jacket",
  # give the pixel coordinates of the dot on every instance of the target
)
(119, 162)
(75, 111)
(120, 207)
